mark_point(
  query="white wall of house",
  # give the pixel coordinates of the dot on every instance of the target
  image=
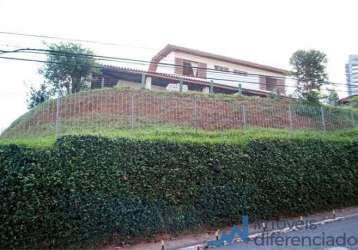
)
(168, 69)
(249, 81)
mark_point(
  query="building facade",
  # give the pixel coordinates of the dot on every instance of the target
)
(181, 69)
(112, 76)
(352, 75)
(220, 69)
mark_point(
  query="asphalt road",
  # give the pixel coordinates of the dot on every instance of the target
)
(330, 231)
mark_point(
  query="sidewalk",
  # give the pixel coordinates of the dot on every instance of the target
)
(186, 240)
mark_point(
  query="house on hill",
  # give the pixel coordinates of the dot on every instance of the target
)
(177, 68)
(224, 70)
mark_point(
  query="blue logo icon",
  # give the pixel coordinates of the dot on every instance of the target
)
(230, 237)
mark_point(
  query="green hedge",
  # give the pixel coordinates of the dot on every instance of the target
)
(87, 189)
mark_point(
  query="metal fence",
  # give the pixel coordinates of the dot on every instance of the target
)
(110, 110)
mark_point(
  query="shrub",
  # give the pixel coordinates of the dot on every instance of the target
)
(89, 189)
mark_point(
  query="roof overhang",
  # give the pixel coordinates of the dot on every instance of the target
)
(115, 71)
(172, 48)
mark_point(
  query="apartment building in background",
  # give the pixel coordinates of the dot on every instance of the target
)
(352, 75)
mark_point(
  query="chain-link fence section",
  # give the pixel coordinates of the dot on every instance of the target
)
(108, 110)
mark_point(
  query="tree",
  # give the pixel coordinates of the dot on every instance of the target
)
(354, 102)
(333, 98)
(309, 68)
(68, 67)
(37, 96)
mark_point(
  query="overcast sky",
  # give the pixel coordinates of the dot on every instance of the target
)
(262, 31)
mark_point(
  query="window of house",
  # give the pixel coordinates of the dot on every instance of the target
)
(190, 68)
(221, 68)
(239, 72)
(271, 83)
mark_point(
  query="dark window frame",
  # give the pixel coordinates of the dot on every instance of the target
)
(189, 70)
(221, 68)
(239, 72)
(271, 83)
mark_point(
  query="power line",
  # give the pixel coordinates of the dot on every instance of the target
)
(170, 65)
(75, 40)
(210, 78)
(31, 50)
(144, 62)
(151, 62)
(12, 51)
(100, 67)
(158, 63)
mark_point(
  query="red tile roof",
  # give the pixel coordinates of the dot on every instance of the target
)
(186, 79)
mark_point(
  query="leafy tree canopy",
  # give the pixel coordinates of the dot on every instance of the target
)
(333, 98)
(37, 96)
(354, 102)
(68, 68)
(309, 68)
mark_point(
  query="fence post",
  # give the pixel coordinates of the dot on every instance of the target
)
(323, 119)
(240, 89)
(195, 114)
(353, 119)
(58, 107)
(142, 85)
(243, 115)
(132, 111)
(102, 82)
(211, 87)
(290, 116)
(181, 86)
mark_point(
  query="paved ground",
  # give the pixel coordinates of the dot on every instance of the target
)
(349, 227)
(183, 240)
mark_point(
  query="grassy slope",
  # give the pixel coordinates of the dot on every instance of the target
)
(239, 137)
(97, 92)
(178, 134)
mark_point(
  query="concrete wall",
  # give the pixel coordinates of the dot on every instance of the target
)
(135, 85)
